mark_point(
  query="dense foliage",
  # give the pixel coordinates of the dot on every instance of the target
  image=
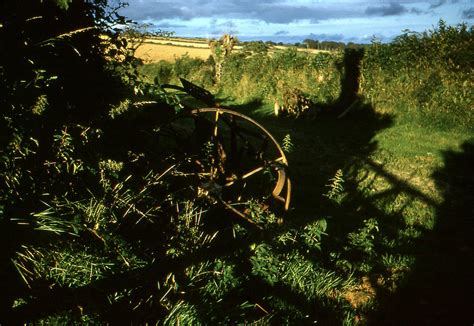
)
(53, 85)
(428, 74)
(65, 155)
(254, 75)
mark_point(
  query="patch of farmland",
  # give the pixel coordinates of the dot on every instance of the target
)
(153, 51)
(179, 42)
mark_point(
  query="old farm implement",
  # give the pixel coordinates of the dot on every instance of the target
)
(221, 154)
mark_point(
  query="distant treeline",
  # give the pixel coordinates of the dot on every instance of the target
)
(328, 45)
(306, 44)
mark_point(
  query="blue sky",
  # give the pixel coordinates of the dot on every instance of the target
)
(293, 21)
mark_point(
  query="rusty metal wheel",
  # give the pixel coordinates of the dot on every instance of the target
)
(227, 157)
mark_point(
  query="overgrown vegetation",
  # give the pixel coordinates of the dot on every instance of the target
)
(93, 231)
(426, 75)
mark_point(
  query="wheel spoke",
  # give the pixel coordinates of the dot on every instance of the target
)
(216, 120)
(255, 171)
(239, 155)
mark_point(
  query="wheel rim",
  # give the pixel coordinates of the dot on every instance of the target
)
(230, 158)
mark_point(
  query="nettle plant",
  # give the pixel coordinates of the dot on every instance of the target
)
(336, 192)
(364, 238)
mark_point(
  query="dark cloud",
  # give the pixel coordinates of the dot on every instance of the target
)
(220, 32)
(181, 9)
(283, 14)
(393, 9)
(219, 28)
(468, 13)
(142, 10)
(270, 11)
(438, 4)
(416, 11)
(223, 15)
(225, 24)
(286, 14)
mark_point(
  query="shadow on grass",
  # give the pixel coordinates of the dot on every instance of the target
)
(439, 288)
(10, 282)
(350, 72)
(321, 148)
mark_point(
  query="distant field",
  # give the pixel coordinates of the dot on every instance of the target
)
(153, 52)
(197, 43)
(156, 49)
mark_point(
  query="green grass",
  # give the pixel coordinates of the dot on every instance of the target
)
(379, 218)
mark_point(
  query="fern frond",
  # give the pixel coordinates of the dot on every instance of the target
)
(336, 187)
(287, 144)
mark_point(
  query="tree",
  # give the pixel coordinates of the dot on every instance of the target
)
(311, 44)
(220, 51)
